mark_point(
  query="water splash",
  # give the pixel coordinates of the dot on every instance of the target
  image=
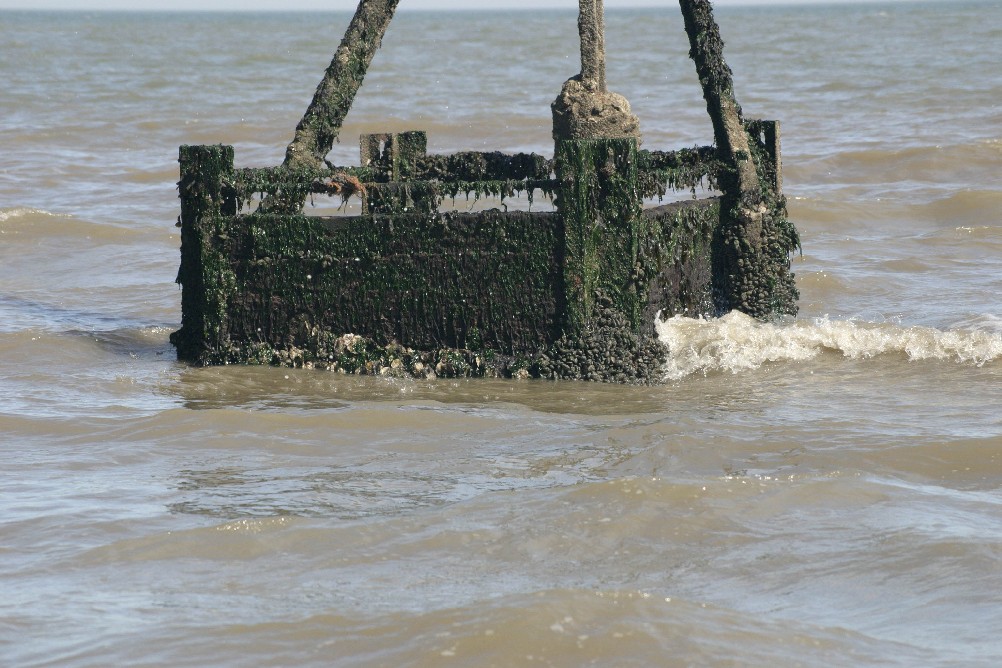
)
(737, 342)
(14, 213)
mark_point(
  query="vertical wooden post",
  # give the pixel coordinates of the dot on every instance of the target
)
(773, 142)
(591, 28)
(204, 170)
(600, 207)
(585, 108)
(395, 155)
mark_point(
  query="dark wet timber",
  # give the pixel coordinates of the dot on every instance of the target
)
(405, 289)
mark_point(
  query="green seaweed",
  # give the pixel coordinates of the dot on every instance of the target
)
(676, 265)
(429, 293)
(753, 274)
(600, 204)
(319, 127)
(661, 172)
(406, 289)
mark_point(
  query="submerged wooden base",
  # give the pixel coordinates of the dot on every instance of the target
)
(566, 294)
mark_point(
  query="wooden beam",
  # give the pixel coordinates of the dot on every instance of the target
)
(319, 127)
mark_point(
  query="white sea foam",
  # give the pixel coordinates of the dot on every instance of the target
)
(22, 212)
(737, 342)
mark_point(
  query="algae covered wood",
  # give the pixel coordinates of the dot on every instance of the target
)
(319, 127)
(409, 289)
(754, 239)
(205, 170)
(600, 205)
(715, 77)
(255, 287)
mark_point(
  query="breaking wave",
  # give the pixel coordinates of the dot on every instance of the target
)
(14, 213)
(736, 342)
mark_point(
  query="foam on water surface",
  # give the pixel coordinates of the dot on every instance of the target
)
(737, 342)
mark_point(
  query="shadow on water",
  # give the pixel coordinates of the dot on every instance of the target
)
(278, 389)
(137, 341)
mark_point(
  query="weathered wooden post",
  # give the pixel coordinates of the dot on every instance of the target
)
(591, 27)
(585, 109)
(753, 238)
(596, 140)
(706, 50)
(319, 127)
(204, 171)
(322, 121)
(773, 141)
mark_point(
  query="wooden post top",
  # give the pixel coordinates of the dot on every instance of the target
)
(591, 27)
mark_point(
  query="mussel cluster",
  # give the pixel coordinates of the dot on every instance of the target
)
(605, 350)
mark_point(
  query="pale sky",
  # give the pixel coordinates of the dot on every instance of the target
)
(343, 5)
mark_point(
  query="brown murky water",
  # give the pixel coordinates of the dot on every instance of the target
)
(825, 491)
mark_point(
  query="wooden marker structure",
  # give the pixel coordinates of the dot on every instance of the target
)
(411, 288)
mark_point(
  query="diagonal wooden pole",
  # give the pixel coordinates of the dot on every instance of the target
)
(706, 50)
(319, 127)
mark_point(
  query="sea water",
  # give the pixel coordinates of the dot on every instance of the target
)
(820, 491)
